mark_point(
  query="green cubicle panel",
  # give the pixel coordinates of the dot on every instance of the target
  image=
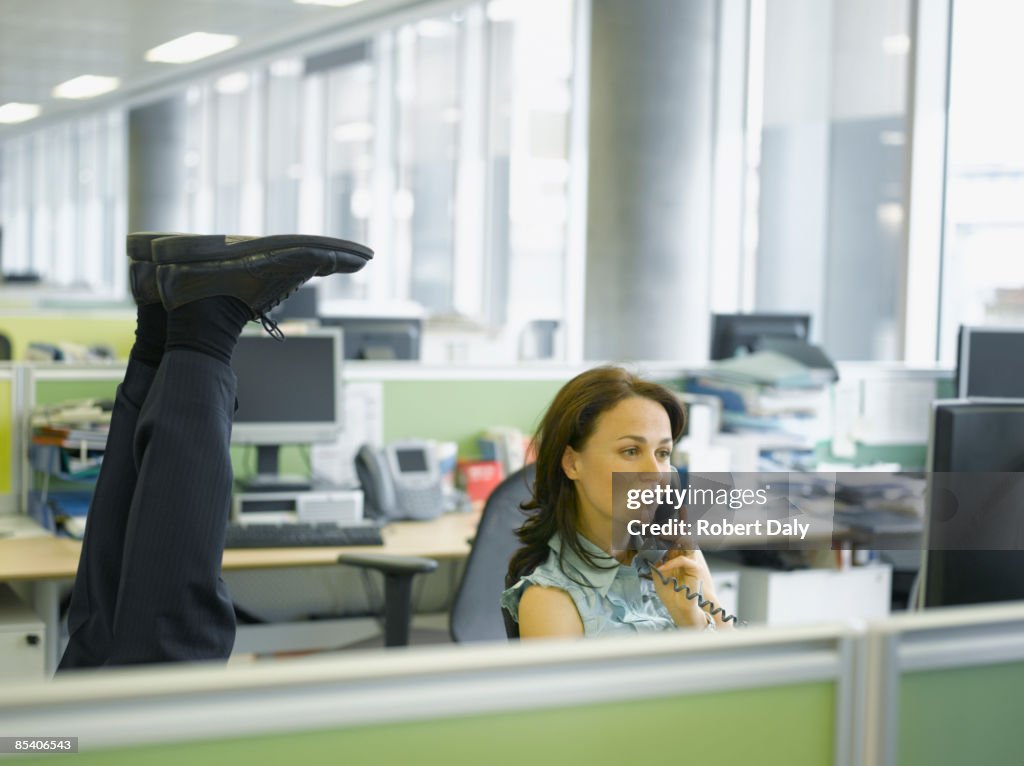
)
(459, 410)
(778, 726)
(960, 716)
(6, 429)
(54, 391)
(115, 329)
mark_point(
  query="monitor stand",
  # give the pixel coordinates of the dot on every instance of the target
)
(267, 478)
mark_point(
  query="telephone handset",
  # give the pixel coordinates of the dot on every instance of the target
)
(402, 480)
(378, 489)
(650, 558)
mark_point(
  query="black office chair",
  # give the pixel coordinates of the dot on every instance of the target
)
(475, 614)
(398, 573)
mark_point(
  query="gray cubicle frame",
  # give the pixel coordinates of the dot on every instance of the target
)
(126, 707)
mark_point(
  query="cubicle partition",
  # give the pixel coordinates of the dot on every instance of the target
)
(949, 687)
(779, 697)
(943, 688)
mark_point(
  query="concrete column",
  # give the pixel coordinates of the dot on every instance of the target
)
(648, 228)
(156, 166)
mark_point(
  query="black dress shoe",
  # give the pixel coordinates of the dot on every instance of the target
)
(141, 269)
(259, 271)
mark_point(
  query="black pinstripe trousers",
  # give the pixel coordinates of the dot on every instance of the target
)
(149, 587)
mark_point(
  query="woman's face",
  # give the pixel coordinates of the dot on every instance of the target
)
(633, 436)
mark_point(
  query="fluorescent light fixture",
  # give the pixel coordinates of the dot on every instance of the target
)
(236, 82)
(896, 45)
(191, 47)
(332, 3)
(14, 111)
(86, 86)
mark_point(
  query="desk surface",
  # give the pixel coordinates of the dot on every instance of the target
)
(49, 557)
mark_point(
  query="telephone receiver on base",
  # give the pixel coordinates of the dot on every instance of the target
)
(401, 480)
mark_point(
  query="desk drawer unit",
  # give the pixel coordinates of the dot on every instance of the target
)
(22, 648)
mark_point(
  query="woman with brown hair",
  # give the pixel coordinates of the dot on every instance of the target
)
(567, 580)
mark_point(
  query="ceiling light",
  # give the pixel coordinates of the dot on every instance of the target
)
(191, 47)
(14, 111)
(86, 86)
(896, 45)
(333, 3)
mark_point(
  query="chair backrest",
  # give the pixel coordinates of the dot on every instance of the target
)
(476, 614)
(5, 348)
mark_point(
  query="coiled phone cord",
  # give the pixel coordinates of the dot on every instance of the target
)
(678, 587)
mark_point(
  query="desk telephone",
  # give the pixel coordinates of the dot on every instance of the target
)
(401, 481)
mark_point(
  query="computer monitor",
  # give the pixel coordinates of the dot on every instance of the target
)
(990, 363)
(732, 333)
(289, 392)
(378, 338)
(303, 304)
(969, 441)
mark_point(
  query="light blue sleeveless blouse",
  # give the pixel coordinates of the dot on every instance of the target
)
(614, 601)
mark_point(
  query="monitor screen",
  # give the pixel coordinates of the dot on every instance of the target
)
(972, 443)
(288, 391)
(733, 334)
(990, 363)
(411, 460)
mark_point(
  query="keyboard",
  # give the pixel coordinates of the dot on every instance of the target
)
(301, 535)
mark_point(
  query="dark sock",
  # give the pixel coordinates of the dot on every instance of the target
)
(150, 334)
(210, 326)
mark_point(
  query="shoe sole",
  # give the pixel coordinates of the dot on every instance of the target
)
(192, 249)
(139, 244)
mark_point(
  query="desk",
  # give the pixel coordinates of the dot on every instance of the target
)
(46, 561)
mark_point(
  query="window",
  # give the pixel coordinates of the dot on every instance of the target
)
(983, 254)
(442, 141)
(63, 194)
(830, 218)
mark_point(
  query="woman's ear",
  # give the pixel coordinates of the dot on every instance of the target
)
(570, 463)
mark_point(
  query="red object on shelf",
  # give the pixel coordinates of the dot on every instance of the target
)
(479, 477)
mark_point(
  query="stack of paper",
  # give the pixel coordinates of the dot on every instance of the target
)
(772, 395)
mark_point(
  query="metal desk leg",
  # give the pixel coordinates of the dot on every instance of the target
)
(46, 595)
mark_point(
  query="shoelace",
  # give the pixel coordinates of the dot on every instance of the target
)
(269, 324)
(271, 327)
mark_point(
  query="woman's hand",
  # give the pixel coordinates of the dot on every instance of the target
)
(690, 569)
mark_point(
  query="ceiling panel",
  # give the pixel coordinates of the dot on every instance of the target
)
(45, 42)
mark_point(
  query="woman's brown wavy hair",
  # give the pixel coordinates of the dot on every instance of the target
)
(569, 422)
